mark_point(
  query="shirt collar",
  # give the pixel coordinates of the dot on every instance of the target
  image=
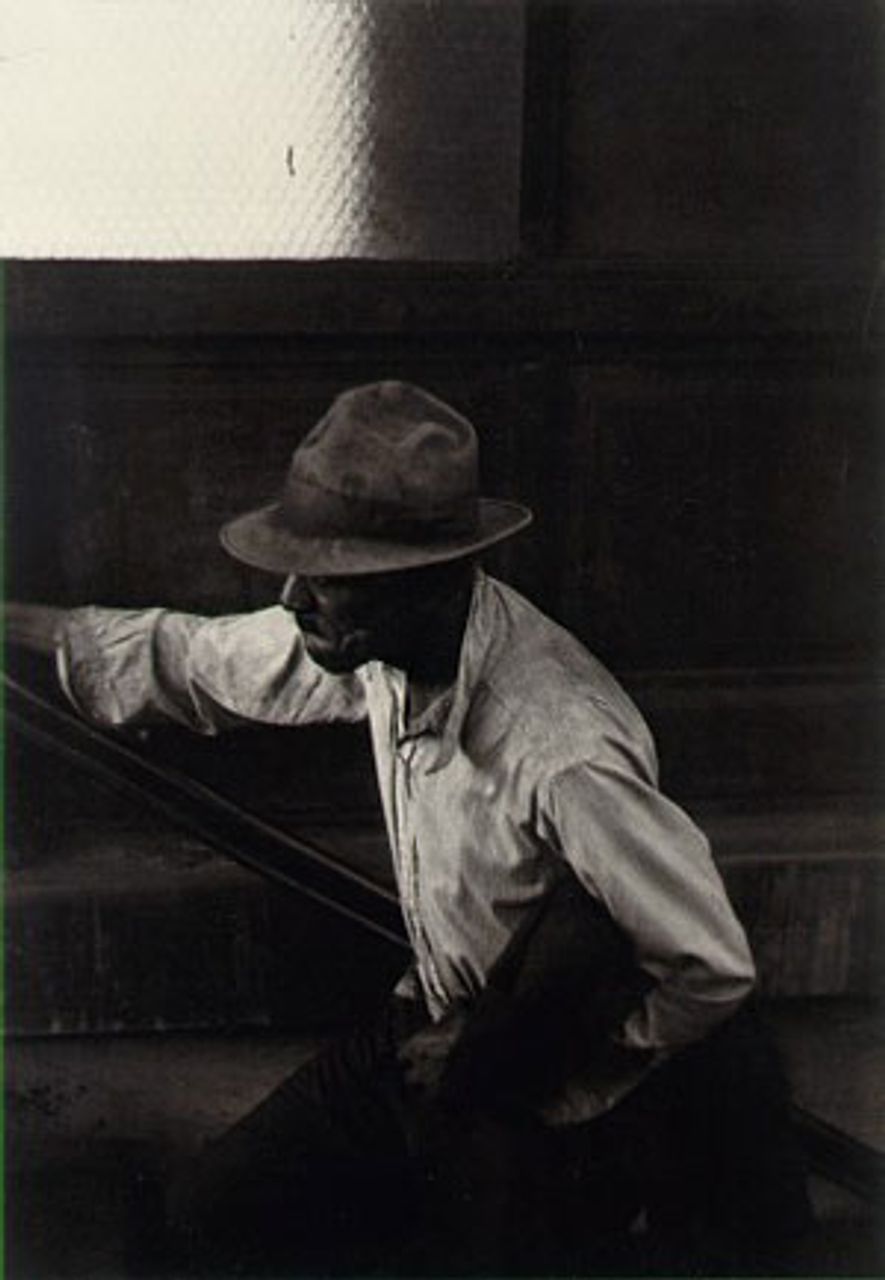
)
(432, 720)
(445, 717)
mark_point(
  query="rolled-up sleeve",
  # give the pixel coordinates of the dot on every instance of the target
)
(645, 859)
(130, 667)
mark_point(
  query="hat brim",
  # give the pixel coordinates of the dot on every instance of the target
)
(260, 539)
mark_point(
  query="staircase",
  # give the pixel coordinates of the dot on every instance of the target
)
(156, 988)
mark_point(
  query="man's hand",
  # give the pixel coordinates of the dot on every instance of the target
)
(425, 1054)
(36, 627)
(605, 1078)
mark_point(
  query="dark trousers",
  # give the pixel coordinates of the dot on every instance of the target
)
(318, 1179)
(341, 1171)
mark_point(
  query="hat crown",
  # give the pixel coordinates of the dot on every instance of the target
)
(386, 481)
(386, 459)
(392, 442)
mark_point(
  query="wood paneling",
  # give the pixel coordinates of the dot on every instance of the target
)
(724, 510)
(707, 507)
(723, 129)
(826, 299)
(127, 457)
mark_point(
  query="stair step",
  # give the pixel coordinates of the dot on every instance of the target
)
(91, 1122)
(170, 1091)
(87, 1118)
(133, 928)
(179, 1088)
(834, 1051)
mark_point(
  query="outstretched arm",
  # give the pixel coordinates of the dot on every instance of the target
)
(141, 666)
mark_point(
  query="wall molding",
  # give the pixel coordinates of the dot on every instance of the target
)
(805, 299)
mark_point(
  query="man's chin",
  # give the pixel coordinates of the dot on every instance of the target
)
(337, 659)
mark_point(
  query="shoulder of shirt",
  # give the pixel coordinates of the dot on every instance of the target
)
(543, 691)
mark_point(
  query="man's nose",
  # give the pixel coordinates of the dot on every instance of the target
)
(296, 593)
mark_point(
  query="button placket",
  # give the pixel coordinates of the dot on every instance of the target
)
(406, 843)
(407, 755)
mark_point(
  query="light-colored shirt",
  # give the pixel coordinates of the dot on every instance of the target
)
(535, 758)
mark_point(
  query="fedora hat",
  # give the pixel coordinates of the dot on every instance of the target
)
(386, 480)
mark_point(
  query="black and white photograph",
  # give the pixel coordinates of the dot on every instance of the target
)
(443, 688)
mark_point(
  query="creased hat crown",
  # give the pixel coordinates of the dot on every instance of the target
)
(387, 459)
(387, 479)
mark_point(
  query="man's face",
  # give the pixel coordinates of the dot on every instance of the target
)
(348, 621)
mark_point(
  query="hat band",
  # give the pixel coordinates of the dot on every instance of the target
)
(308, 510)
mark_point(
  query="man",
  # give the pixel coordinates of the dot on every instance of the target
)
(563, 1077)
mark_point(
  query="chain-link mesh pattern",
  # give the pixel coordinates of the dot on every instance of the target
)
(288, 128)
(329, 117)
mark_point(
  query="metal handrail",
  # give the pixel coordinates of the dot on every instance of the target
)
(836, 1156)
(287, 859)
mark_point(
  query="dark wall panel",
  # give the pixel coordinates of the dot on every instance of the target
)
(127, 457)
(715, 508)
(725, 512)
(746, 129)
